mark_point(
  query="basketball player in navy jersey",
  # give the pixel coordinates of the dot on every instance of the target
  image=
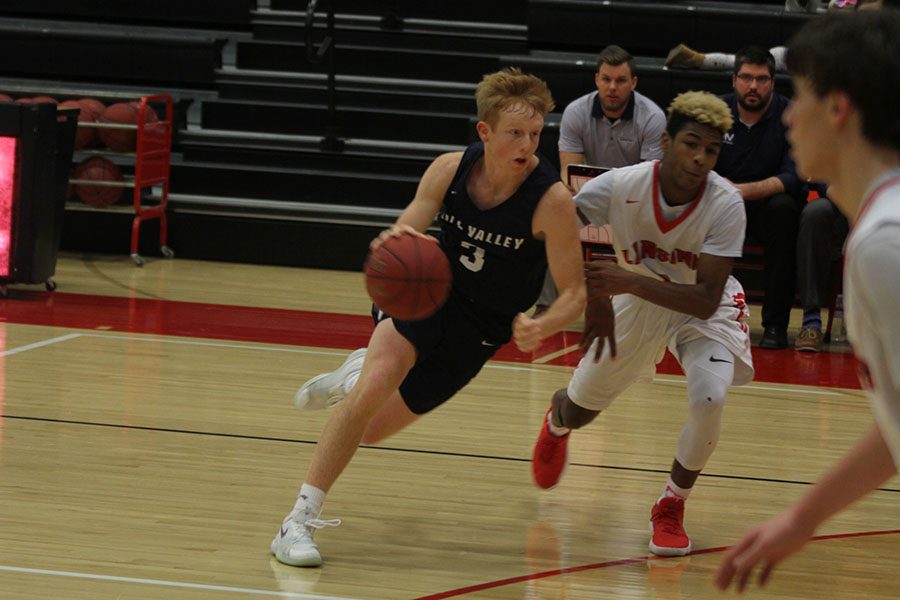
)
(844, 128)
(504, 215)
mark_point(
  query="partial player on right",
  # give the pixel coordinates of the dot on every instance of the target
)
(677, 227)
(844, 127)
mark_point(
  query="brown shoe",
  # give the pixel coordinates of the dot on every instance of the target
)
(684, 56)
(809, 340)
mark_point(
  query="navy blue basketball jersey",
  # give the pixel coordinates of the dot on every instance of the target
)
(498, 266)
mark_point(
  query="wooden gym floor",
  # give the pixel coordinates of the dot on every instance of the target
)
(149, 449)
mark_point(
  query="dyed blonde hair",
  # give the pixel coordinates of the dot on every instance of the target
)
(699, 107)
(510, 89)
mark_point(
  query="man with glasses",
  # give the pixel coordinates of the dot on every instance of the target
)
(755, 157)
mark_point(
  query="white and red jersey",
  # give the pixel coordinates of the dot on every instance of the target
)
(871, 289)
(665, 242)
(658, 240)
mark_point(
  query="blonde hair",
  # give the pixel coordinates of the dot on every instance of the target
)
(508, 89)
(700, 107)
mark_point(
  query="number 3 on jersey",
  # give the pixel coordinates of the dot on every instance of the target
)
(472, 257)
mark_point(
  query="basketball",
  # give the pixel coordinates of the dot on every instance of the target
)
(93, 106)
(85, 137)
(121, 113)
(150, 115)
(408, 277)
(98, 169)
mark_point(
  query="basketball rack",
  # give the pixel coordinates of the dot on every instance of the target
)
(152, 158)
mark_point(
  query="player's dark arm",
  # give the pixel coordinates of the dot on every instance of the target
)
(700, 299)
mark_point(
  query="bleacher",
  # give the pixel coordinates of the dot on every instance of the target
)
(263, 170)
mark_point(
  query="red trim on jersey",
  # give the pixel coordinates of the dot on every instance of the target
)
(863, 369)
(866, 205)
(667, 226)
(875, 193)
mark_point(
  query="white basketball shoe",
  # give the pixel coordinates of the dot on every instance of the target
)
(294, 545)
(327, 389)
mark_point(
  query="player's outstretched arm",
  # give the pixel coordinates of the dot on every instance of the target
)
(700, 299)
(862, 470)
(421, 212)
(556, 223)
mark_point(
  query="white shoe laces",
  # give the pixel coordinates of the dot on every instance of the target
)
(320, 523)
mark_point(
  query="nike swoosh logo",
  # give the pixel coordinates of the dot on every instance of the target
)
(283, 532)
(632, 201)
(487, 343)
(714, 359)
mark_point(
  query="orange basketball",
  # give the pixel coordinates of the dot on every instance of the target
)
(94, 107)
(121, 113)
(408, 277)
(98, 169)
(150, 115)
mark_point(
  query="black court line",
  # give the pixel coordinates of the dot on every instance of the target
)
(263, 438)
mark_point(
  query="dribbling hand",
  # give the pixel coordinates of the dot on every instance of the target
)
(397, 231)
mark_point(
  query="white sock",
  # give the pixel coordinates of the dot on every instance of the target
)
(309, 500)
(673, 491)
(557, 431)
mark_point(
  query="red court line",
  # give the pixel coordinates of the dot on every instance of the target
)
(334, 330)
(617, 563)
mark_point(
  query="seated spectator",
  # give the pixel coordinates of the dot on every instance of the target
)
(819, 240)
(614, 126)
(755, 156)
(684, 56)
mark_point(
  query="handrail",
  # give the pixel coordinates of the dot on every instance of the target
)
(331, 142)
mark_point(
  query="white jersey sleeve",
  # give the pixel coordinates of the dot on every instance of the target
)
(594, 197)
(726, 236)
(877, 263)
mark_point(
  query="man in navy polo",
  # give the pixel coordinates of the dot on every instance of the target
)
(755, 156)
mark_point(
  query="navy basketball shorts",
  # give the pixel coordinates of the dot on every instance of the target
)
(450, 352)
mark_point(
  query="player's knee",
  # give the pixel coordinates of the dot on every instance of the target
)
(706, 395)
(568, 414)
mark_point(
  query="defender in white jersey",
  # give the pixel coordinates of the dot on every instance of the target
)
(677, 228)
(845, 129)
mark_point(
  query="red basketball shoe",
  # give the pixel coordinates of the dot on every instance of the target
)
(667, 526)
(551, 454)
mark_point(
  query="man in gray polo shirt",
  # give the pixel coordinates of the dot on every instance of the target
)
(614, 126)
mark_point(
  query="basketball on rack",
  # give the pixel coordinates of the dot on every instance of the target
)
(121, 113)
(150, 115)
(98, 169)
(44, 99)
(94, 107)
(5, 98)
(408, 277)
(85, 137)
